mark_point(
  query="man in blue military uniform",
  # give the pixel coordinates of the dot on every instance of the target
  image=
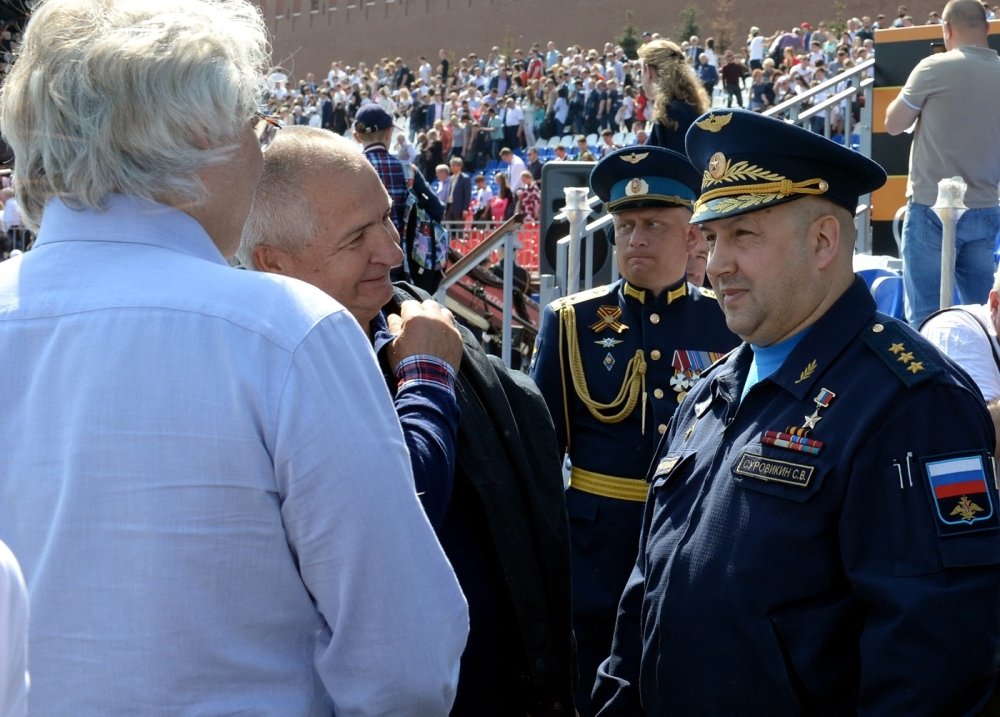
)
(613, 364)
(821, 534)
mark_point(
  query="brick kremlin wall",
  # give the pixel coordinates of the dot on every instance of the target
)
(314, 32)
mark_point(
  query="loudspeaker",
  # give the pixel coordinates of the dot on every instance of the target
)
(556, 176)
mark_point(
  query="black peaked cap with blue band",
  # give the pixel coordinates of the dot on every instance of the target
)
(750, 162)
(641, 176)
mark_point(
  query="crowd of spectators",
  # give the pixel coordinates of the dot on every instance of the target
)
(474, 106)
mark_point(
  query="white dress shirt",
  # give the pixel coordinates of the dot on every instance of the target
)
(13, 637)
(514, 170)
(207, 487)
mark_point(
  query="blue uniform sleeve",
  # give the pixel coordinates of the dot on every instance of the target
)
(547, 373)
(926, 572)
(429, 416)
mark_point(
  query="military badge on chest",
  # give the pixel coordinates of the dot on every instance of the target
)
(688, 366)
(608, 319)
(796, 438)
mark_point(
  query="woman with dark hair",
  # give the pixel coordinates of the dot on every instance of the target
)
(678, 96)
(504, 202)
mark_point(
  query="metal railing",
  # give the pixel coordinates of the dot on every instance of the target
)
(504, 235)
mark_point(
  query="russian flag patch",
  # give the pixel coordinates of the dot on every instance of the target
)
(962, 494)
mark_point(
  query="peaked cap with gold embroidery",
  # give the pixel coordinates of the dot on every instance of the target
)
(640, 176)
(750, 162)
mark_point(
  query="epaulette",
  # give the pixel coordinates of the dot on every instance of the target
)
(582, 296)
(708, 293)
(907, 357)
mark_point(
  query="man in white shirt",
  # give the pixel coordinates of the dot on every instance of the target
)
(209, 492)
(512, 117)
(513, 166)
(968, 336)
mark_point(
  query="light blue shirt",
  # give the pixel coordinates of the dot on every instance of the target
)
(206, 485)
(768, 359)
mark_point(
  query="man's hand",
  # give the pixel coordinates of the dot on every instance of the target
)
(424, 328)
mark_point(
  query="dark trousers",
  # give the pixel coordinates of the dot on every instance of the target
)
(731, 92)
(511, 138)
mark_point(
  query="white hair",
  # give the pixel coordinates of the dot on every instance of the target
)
(129, 96)
(282, 215)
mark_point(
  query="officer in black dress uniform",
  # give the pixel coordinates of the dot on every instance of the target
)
(613, 363)
(822, 532)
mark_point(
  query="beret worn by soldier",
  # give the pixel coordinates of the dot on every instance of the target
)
(643, 176)
(751, 162)
(372, 118)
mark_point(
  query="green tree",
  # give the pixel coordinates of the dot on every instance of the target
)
(725, 27)
(629, 41)
(839, 23)
(689, 24)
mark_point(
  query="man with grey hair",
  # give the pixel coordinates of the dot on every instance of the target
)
(193, 537)
(492, 491)
(956, 96)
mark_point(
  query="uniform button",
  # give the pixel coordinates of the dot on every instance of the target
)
(654, 318)
(878, 328)
(655, 354)
(662, 428)
(658, 393)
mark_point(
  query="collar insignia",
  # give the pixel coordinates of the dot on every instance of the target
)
(637, 294)
(807, 372)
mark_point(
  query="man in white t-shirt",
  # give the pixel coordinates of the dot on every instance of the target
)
(956, 97)
(755, 48)
(13, 637)
(968, 336)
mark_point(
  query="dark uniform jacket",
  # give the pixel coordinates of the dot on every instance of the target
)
(615, 339)
(505, 531)
(684, 115)
(827, 546)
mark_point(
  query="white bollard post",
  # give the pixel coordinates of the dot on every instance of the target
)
(577, 212)
(949, 207)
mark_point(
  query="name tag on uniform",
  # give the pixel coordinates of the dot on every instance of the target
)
(666, 465)
(770, 469)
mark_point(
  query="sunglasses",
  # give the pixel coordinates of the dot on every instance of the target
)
(265, 127)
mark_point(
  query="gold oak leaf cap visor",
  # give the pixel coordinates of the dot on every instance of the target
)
(749, 162)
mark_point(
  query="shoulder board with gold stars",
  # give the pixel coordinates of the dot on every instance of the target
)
(581, 296)
(707, 293)
(905, 356)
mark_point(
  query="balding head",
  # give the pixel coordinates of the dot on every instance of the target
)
(964, 24)
(282, 215)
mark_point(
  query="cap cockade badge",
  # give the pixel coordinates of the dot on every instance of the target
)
(636, 187)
